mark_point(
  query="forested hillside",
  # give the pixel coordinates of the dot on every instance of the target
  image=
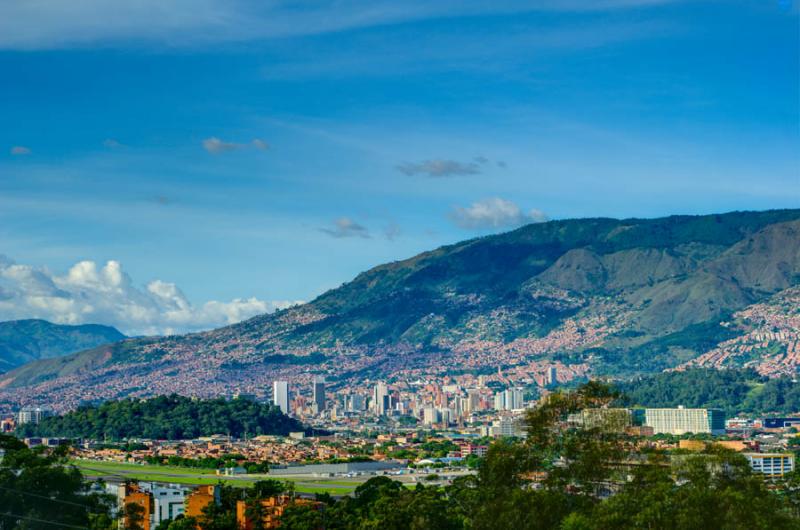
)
(166, 417)
(735, 391)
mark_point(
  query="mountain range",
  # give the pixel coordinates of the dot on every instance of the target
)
(591, 296)
(23, 341)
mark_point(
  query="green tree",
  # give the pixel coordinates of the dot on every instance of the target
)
(133, 516)
(39, 484)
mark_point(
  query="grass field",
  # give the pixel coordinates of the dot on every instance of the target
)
(190, 476)
(119, 466)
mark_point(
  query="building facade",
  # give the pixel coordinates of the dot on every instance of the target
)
(683, 421)
(318, 394)
(771, 464)
(280, 395)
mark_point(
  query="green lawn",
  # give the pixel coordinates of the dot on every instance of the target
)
(120, 466)
(190, 476)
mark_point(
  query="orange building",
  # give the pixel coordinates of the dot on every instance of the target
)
(130, 493)
(273, 508)
(692, 445)
(199, 498)
(735, 445)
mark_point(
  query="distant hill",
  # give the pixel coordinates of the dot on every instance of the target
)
(23, 341)
(590, 296)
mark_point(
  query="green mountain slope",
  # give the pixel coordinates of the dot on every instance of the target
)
(23, 341)
(594, 295)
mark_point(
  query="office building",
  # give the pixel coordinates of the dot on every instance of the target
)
(771, 464)
(280, 395)
(380, 399)
(168, 503)
(780, 423)
(682, 421)
(355, 403)
(608, 419)
(318, 394)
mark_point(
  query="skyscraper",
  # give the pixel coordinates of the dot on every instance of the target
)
(318, 394)
(280, 395)
(380, 399)
(515, 398)
(552, 376)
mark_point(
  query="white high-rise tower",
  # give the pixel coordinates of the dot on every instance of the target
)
(280, 395)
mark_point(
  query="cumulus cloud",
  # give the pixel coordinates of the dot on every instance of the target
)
(20, 150)
(494, 213)
(89, 293)
(111, 143)
(346, 227)
(216, 146)
(439, 168)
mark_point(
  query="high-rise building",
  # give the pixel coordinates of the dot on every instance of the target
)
(515, 399)
(552, 376)
(380, 399)
(510, 399)
(318, 394)
(33, 414)
(682, 420)
(430, 415)
(500, 401)
(280, 395)
(474, 399)
(355, 403)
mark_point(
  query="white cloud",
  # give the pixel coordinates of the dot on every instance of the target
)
(494, 213)
(48, 24)
(346, 227)
(106, 295)
(20, 150)
(216, 146)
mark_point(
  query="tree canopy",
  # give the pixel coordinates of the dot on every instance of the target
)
(166, 417)
(735, 391)
(38, 489)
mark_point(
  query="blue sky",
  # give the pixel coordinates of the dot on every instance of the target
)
(381, 129)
